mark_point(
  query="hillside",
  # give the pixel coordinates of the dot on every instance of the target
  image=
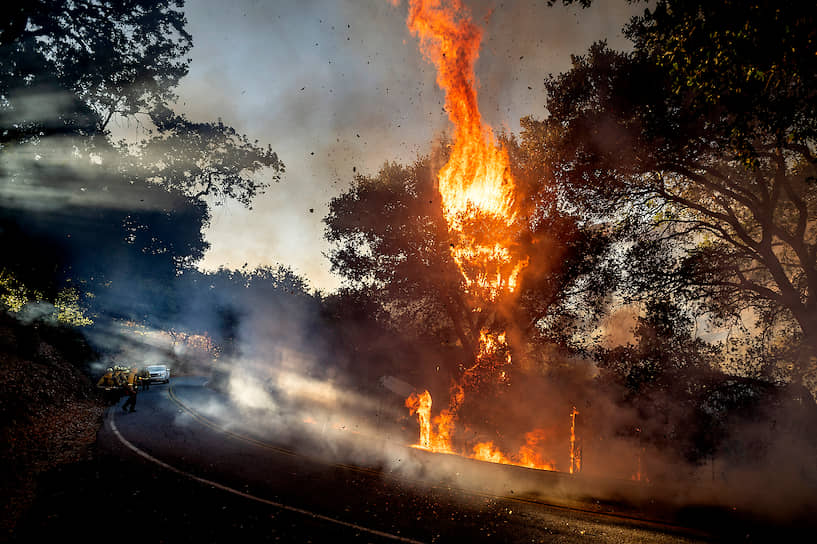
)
(50, 411)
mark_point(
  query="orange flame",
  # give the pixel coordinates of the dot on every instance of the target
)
(575, 456)
(487, 451)
(477, 190)
(421, 405)
(435, 436)
(479, 204)
(529, 454)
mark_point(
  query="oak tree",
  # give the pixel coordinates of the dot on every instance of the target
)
(701, 141)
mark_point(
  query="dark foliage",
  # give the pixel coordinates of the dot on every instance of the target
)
(69, 67)
(699, 145)
(390, 238)
(116, 221)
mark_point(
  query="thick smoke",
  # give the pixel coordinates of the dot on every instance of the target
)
(282, 384)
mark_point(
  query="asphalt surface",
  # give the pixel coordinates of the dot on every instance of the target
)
(189, 466)
(340, 482)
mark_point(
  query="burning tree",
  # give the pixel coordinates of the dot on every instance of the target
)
(478, 251)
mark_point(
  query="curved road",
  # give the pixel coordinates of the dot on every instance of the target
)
(347, 486)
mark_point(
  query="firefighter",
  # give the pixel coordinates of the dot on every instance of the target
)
(144, 379)
(130, 389)
(107, 379)
(108, 384)
(117, 376)
(119, 382)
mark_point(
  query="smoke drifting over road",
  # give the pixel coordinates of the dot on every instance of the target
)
(295, 398)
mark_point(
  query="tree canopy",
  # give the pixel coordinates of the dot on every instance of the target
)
(86, 61)
(700, 143)
(388, 234)
(118, 219)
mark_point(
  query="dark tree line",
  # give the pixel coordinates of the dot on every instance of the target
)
(701, 143)
(113, 223)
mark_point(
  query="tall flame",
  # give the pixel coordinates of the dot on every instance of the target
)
(477, 190)
(434, 435)
(478, 195)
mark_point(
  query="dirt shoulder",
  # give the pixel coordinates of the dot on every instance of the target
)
(50, 411)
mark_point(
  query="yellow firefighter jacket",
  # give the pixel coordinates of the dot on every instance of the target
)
(106, 380)
(131, 381)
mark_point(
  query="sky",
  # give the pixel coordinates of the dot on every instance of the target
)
(339, 87)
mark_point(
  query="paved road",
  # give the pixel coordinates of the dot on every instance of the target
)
(346, 484)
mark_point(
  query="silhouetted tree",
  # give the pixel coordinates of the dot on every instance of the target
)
(119, 220)
(70, 67)
(389, 237)
(701, 142)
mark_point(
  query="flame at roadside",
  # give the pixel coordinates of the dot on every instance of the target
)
(435, 436)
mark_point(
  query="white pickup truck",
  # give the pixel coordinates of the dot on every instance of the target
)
(159, 373)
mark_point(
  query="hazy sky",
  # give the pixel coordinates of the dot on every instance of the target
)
(334, 85)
